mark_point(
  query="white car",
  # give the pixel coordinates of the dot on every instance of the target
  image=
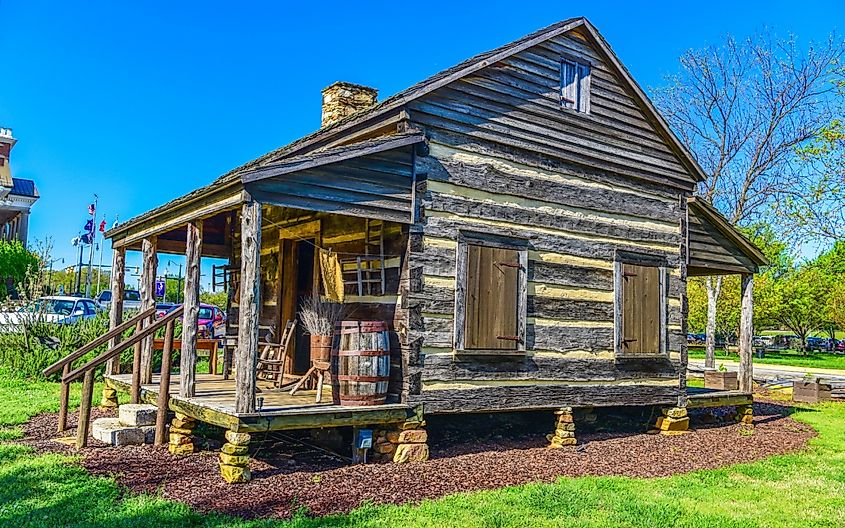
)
(131, 300)
(51, 309)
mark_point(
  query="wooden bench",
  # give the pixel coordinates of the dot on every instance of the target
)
(212, 346)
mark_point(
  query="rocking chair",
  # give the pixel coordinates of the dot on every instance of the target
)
(271, 361)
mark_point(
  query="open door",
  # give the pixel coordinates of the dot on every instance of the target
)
(297, 253)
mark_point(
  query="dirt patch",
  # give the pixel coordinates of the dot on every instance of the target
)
(282, 484)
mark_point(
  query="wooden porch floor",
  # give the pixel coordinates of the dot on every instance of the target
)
(214, 403)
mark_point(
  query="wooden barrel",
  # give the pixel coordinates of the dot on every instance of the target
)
(361, 358)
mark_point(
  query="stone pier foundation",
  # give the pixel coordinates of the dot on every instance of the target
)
(564, 434)
(673, 421)
(745, 414)
(181, 441)
(234, 458)
(401, 443)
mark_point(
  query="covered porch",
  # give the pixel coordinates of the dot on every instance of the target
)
(716, 248)
(276, 226)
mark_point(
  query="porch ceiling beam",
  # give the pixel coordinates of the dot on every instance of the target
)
(178, 247)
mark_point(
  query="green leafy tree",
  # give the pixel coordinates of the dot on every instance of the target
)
(798, 299)
(218, 299)
(16, 263)
(743, 108)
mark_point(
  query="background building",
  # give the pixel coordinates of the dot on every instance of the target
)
(16, 195)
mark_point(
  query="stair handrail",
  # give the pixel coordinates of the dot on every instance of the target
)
(137, 337)
(114, 332)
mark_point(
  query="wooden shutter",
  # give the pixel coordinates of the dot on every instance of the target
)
(568, 84)
(583, 88)
(641, 305)
(491, 318)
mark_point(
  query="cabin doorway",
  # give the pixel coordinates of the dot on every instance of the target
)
(304, 288)
(297, 248)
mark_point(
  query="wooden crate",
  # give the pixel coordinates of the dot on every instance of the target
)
(716, 379)
(810, 391)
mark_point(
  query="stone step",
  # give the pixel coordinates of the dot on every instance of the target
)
(112, 431)
(137, 414)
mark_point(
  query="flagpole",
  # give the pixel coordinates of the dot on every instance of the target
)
(100, 268)
(91, 251)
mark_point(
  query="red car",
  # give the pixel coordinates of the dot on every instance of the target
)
(212, 322)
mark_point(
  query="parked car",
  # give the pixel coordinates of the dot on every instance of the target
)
(820, 344)
(840, 347)
(211, 321)
(696, 339)
(163, 308)
(63, 309)
(131, 299)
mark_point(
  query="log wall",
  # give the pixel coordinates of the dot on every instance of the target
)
(505, 159)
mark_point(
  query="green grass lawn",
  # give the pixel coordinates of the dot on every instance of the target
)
(803, 490)
(782, 357)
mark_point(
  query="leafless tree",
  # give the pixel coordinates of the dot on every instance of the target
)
(743, 108)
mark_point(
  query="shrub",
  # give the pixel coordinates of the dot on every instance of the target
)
(38, 344)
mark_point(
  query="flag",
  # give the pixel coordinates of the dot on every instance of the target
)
(87, 238)
(103, 226)
(89, 226)
(92, 209)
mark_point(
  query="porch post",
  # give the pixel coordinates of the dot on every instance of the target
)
(148, 300)
(188, 358)
(746, 331)
(247, 350)
(118, 278)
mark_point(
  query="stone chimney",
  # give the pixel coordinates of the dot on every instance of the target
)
(343, 99)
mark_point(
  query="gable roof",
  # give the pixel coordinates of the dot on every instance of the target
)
(311, 142)
(732, 240)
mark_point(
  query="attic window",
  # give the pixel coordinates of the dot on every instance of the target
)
(575, 85)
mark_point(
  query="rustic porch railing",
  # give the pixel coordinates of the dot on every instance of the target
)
(142, 331)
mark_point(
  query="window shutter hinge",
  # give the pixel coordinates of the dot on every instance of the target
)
(508, 338)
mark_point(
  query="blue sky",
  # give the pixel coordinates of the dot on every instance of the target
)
(142, 102)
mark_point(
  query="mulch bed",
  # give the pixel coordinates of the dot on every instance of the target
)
(283, 484)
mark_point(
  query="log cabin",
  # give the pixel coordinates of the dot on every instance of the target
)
(523, 222)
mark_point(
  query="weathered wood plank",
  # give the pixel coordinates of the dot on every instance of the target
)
(746, 333)
(448, 367)
(118, 279)
(499, 177)
(188, 351)
(246, 354)
(566, 338)
(541, 397)
(576, 224)
(149, 267)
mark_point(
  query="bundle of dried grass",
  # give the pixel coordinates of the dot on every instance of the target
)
(319, 316)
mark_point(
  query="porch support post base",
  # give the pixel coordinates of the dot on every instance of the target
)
(109, 399)
(181, 442)
(234, 458)
(402, 443)
(674, 421)
(745, 414)
(564, 434)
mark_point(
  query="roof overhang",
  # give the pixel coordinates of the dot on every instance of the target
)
(370, 179)
(715, 247)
